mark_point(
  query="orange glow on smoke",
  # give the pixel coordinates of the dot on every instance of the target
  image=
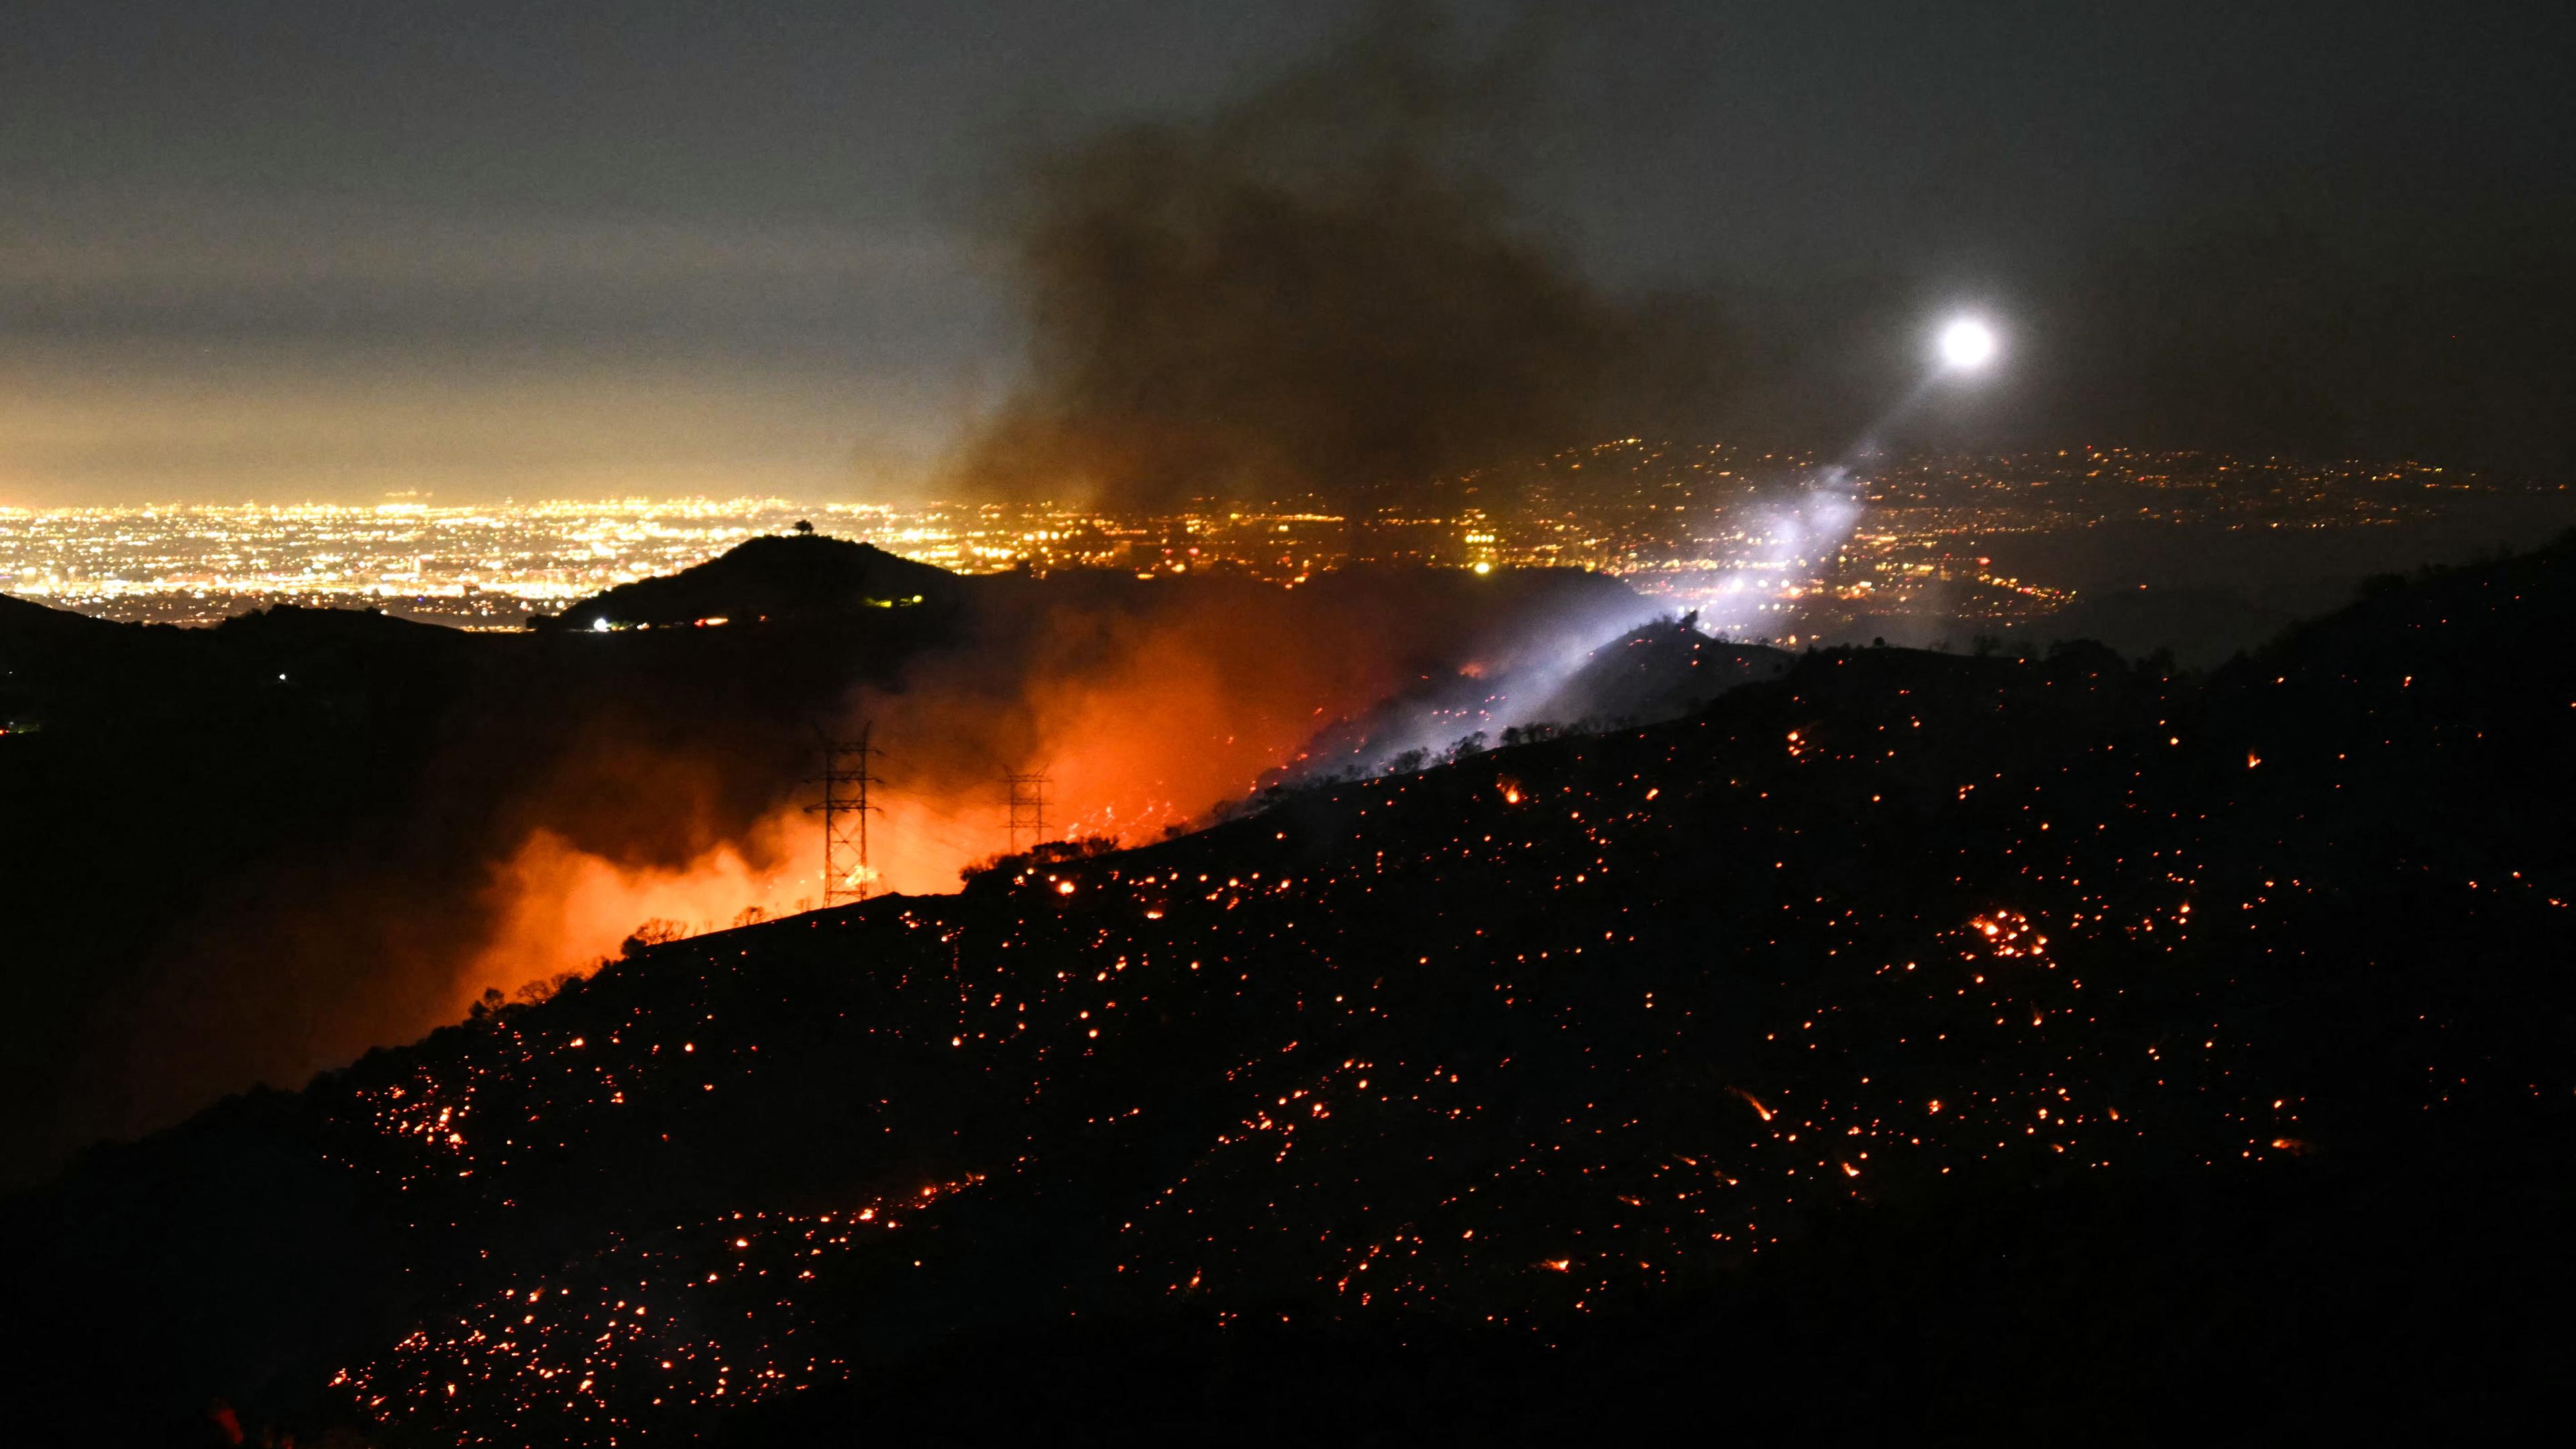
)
(562, 908)
(1141, 721)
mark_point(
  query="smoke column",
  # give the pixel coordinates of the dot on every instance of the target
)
(1321, 288)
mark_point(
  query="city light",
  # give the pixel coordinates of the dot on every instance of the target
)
(1767, 544)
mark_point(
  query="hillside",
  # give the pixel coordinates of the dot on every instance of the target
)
(300, 805)
(1977, 1046)
(1552, 677)
(250, 852)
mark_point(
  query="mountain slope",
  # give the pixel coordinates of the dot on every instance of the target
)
(243, 852)
(2039, 1045)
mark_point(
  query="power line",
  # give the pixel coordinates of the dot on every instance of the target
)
(845, 811)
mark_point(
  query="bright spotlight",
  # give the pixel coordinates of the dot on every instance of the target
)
(1967, 344)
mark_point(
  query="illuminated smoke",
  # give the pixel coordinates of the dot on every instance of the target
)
(1148, 705)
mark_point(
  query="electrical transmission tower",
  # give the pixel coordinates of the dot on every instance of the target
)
(1028, 809)
(845, 810)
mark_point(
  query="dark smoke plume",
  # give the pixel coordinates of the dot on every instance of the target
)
(1321, 287)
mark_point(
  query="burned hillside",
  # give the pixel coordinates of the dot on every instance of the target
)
(1707, 1058)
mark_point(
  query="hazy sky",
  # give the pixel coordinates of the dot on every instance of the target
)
(299, 249)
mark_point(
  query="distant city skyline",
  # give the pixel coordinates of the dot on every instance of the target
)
(1916, 547)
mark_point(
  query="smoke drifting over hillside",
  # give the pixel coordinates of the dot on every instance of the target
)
(564, 789)
(1322, 286)
(1145, 706)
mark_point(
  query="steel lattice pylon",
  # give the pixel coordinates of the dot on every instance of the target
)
(1028, 809)
(845, 810)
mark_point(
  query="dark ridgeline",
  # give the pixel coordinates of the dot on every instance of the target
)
(1659, 670)
(1655, 672)
(1941, 1045)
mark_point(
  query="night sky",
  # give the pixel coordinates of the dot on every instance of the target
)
(303, 250)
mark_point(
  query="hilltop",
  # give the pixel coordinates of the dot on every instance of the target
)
(779, 576)
(1659, 671)
(2013, 1047)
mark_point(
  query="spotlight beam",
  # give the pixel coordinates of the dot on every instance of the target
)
(1965, 345)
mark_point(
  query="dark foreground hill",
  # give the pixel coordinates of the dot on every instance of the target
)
(1956, 1048)
(248, 851)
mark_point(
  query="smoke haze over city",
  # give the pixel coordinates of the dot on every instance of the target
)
(362, 253)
